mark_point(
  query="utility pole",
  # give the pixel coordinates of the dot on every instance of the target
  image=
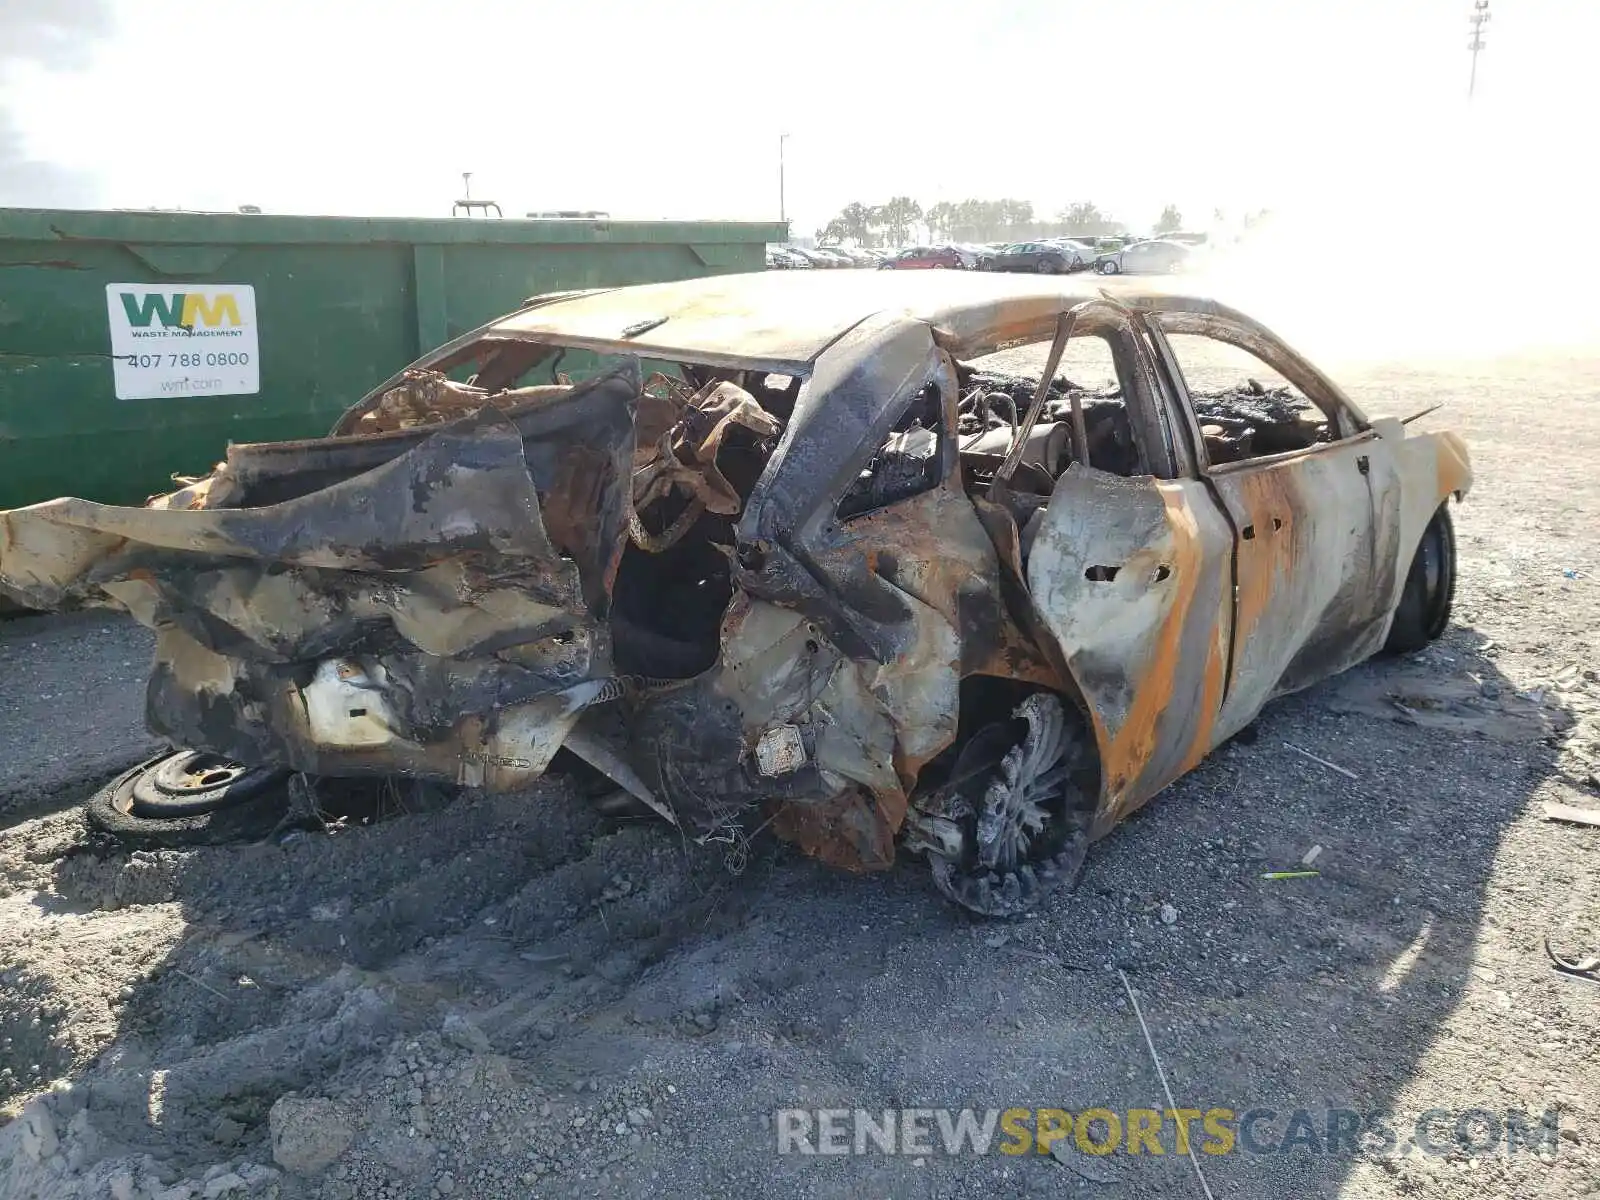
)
(1478, 19)
(783, 211)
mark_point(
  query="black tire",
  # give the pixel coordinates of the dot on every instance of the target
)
(1109, 267)
(1031, 758)
(1045, 267)
(186, 798)
(1430, 588)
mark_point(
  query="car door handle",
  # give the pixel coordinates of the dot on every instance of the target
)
(1100, 573)
(1248, 533)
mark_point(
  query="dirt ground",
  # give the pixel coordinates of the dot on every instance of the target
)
(514, 997)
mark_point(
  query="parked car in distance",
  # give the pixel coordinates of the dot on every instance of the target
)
(846, 258)
(1155, 257)
(831, 257)
(1082, 251)
(813, 257)
(922, 258)
(967, 254)
(1042, 258)
(781, 258)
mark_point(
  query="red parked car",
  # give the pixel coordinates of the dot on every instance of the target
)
(923, 258)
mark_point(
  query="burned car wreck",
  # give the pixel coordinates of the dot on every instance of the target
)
(784, 555)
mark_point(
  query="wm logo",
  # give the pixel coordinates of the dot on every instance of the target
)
(182, 309)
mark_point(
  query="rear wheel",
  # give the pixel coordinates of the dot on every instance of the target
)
(1430, 588)
(1008, 796)
(1045, 266)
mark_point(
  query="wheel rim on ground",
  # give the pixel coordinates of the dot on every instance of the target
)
(196, 771)
(190, 782)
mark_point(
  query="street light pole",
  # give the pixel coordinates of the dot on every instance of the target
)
(1478, 19)
(783, 211)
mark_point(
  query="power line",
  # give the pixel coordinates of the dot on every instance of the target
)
(1478, 18)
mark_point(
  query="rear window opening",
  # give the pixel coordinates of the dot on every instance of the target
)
(675, 581)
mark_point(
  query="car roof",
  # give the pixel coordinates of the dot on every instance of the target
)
(784, 319)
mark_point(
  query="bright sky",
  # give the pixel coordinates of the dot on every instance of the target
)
(648, 109)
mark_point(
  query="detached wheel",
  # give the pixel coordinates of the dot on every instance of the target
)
(1430, 588)
(189, 798)
(1009, 798)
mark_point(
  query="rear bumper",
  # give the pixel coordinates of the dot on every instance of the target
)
(432, 603)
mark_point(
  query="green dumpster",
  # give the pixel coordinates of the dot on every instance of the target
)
(136, 345)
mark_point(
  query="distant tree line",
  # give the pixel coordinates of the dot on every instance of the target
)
(898, 221)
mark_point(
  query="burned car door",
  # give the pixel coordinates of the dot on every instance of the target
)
(1131, 575)
(1313, 499)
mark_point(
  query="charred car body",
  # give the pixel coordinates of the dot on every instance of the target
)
(786, 557)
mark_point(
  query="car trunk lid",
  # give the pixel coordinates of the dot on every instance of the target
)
(430, 600)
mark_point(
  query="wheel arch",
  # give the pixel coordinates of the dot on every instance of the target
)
(986, 696)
